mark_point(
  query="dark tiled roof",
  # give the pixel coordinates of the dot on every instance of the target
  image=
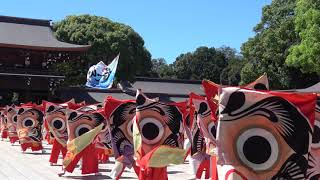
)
(312, 89)
(28, 21)
(173, 88)
(91, 96)
(100, 97)
(164, 89)
(33, 34)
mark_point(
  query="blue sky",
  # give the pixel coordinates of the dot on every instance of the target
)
(169, 27)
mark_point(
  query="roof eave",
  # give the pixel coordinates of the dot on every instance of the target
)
(43, 48)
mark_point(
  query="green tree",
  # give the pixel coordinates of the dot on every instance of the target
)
(107, 39)
(268, 49)
(203, 63)
(182, 66)
(306, 54)
(231, 75)
(161, 69)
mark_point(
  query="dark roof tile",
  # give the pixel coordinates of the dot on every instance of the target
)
(32, 34)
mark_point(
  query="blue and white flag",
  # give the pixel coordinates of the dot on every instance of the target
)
(101, 76)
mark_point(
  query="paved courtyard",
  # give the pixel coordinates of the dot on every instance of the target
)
(15, 165)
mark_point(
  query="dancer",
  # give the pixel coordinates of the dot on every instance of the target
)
(29, 127)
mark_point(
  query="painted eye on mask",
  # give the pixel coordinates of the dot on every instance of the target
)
(15, 119)
(58, 123)
(152, 130)
(316, 135)
(130, 128)
(256, 140)
(28, 122)
(104, 128)
(212, 130)
(81, 129)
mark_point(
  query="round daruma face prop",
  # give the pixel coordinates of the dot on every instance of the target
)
(314, 157)
(103, 140)
(83, 127)
(102, 143)
(120, 114)
(29, 127)
(79, 123)
(3, 123)
(12, 123)
(264, 135)
(206, 125)
(57, 122)
(90, 108)
(212, 91)
(158, 132)
(201, 132)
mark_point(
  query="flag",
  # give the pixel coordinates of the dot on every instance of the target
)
(108, 74)
(95, 73)
(101, 75)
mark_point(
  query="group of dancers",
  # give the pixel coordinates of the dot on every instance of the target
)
(245, 132)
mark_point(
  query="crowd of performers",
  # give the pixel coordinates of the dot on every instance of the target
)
(245, 132)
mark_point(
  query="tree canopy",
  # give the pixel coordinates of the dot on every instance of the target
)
(268, 49)
(286, 46)
(160, 69)
(107, 39)
(306, 53)
(203, 63)
(221, 65)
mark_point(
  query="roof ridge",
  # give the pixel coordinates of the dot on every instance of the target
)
(27, 21)
(185, 81)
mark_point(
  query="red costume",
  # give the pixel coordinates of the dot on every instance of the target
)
(313, 171)
(119, 114)
(103, 141)
(49, 136)
(264, 134)
(57, 126)
(29, 127)
(158, 136)
(3, 123)
(84, 128)
(201, 131)
(212, 93)
(12, 123)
